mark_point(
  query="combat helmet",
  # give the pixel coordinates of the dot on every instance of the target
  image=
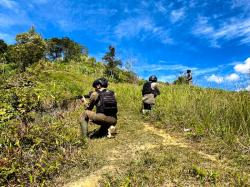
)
(152, 78)
(97, 82)
(104, 82)
(100, 81)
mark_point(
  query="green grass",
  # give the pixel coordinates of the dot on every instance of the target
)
(207, 111)
(44, 138)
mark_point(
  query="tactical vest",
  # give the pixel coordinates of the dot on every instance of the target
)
(147, 89)
(106, 103)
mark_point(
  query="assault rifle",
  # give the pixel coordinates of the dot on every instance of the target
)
(87, 96)
(83, 98)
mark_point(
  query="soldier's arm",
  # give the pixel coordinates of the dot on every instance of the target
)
(92, 101)
(156, 89)
(189, 77)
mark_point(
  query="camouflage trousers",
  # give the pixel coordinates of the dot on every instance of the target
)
(98, 118)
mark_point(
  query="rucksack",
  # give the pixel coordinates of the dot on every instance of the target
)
(107, 103)
(147, 88)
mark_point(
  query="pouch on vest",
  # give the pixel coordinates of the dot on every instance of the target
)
(107, 103)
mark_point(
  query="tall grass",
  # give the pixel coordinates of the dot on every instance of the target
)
(31, 153)
(208, 111)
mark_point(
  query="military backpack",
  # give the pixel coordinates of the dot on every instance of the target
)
(107, 103)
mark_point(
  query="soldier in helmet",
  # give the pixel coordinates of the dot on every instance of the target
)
(149, 92)
(106, 110)
(189, 77)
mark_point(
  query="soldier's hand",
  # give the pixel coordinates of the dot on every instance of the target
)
(83, 100)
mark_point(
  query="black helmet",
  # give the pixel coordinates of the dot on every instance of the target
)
(97, 82)
(101, 81)
(104, 82)
(188, 71)
(152, 78)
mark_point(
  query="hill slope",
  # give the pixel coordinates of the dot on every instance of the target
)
(142, 155)
(40, 141)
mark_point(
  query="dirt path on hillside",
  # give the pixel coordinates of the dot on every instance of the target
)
(173, 141)
(124, 153)
(180, 142)
(118, 157)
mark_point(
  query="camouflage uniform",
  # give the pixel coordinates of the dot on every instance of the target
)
(98, 118)
(149, 99)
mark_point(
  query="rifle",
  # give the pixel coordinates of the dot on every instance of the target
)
(83, 98)
(87, 96)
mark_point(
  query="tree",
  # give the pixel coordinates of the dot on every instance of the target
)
(3, 46)
(64, 48)
(112, 63)
(29, 48)
(3, 50)
(54, 48)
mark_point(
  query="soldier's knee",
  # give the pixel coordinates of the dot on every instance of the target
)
(85, 115)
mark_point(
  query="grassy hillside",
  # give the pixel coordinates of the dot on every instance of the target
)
(39, 130)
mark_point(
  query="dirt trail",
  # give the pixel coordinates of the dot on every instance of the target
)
(119, 154)
(170, 140)
(124, 153)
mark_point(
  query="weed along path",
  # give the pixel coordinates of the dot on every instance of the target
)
(142, 155)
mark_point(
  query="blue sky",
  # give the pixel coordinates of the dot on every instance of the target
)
(160, 37)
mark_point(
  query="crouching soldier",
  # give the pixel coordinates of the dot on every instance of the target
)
(106, 110)
(149, 92)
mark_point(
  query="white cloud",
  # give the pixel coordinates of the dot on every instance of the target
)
(142, 27)
(198, 72)
(202, 27)
(215, 78)
(162, 67)
(232, 77)
(248, 88)
(160, 7)
(133, 26)
(227, 30)
(177, 15)
(163, 35)
(174, 68)
(8, 4)
(243, 68)
(167, 78)
(245, 4)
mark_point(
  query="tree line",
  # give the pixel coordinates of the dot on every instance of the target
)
(30, 47)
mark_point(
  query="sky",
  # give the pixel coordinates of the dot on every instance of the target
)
(160, 37)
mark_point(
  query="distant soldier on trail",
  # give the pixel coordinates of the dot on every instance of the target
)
(149, 92)
(189, 77)
(106, 110)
